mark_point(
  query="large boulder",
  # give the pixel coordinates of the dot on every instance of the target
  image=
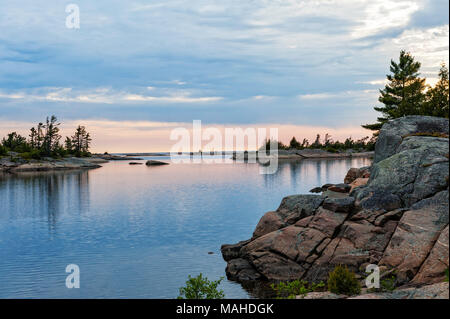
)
(392, 132)
(418, 170)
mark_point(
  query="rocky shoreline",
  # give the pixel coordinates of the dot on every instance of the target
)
(13, 163)
(397, 218)
(303, 154)
(17, 166)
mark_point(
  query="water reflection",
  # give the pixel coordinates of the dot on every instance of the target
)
(317, 172)
(46, 195)
(138, 231)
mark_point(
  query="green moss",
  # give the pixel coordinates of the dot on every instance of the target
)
(430, 134)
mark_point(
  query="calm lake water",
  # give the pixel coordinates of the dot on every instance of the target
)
(138, 231)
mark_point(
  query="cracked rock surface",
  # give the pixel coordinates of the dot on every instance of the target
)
(398, 220)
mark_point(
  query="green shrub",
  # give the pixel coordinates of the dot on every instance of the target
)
(343, 281)
(388, 283)
(3, 151)
(201, 288)
(291, 289)
(34, 154)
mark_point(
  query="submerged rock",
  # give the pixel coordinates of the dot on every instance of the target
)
(155, 163)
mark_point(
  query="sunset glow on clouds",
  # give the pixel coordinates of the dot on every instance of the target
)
(302, 66)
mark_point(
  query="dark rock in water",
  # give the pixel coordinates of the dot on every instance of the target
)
(155, 163)
(232, 251)
(210, 253)
(240, 269)
(316, 190)
(326, 186)
(135, 163)
(340, 188)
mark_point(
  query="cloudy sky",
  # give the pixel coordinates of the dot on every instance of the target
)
(136, 69)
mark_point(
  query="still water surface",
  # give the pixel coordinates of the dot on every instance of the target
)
(138, 231)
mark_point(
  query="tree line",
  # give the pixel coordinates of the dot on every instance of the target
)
(327, 143)
(44, 141)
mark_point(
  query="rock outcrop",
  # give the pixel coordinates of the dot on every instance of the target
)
(396, 218)
(49, 164)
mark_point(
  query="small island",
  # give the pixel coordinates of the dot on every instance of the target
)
(43, 150)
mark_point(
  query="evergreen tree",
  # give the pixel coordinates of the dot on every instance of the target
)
(68, 144)
(305, 143)
(86, 143)
(404, 94)
(14, 142)
(81, 141)
(33, 138)
(40, 135)
(438, 96)
(294, 143)
(316, 143)
(327, 141)
(51, 137)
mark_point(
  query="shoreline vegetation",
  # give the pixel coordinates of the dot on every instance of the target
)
(43, 150)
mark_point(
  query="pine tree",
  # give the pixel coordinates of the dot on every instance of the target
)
(404, 94)
(294, 144)
(327, 140)
(51, 137)
(68, 145)
(305, 143)
(33, 138)
(316, 143)
(438, 96)
(40, 135)
(81, 141)
(86, 143)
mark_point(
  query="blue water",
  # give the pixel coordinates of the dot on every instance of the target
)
(138, 231)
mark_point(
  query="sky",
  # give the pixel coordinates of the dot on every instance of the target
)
(135, 70)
